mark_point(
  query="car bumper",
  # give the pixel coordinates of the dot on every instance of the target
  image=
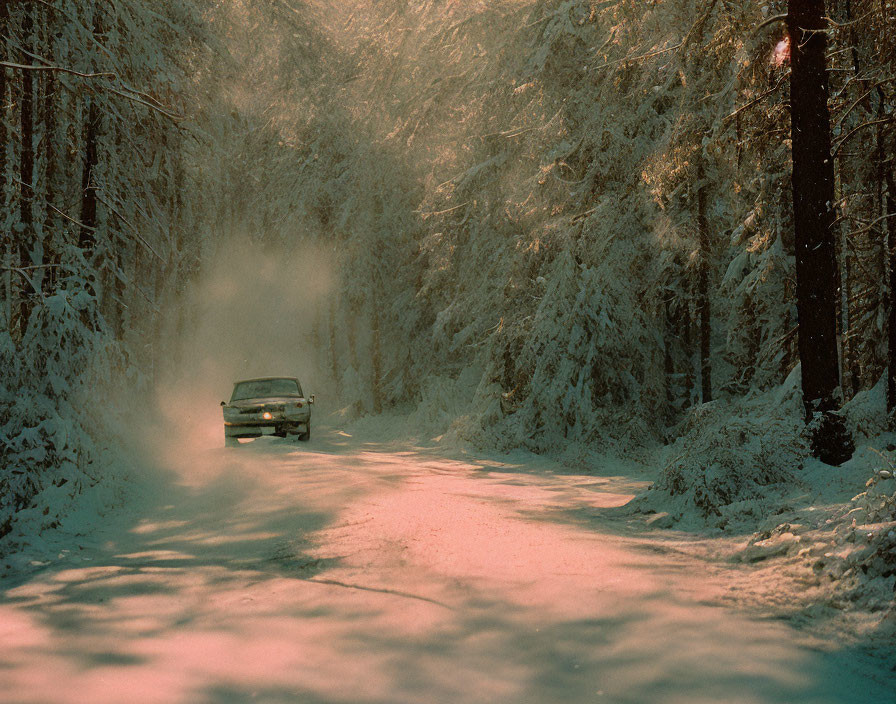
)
(255, 429)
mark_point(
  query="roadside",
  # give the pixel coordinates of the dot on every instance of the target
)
(820, 540)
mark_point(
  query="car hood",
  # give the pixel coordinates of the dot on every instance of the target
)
(260, 402)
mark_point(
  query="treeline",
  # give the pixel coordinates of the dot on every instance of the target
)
(583, 210)
(136, 136)
(554, 222)
(100, 219)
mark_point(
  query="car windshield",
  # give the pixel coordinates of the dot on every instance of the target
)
(265, 388)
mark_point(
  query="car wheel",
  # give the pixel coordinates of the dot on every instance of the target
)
(306, 436)
(231, 442)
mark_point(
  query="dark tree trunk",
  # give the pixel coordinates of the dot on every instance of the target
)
(890, 201)
(6, 241)
(4, 31)
(703, 294)
(813, 198)
(26, 116)
(26, 166)
(51, 219)
(89, 220)
(87, 237)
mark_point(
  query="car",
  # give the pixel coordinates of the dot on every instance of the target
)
(271, 405)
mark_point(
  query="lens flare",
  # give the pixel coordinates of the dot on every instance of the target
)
(781, 56)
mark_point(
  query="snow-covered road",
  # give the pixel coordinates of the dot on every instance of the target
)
(346, 572)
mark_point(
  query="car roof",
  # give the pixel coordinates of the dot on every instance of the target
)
(266, 378)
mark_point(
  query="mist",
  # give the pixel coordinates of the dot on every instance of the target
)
(253, 312)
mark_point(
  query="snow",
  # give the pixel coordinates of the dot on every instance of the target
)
(814, 547)
(822, 537)
(354, 569)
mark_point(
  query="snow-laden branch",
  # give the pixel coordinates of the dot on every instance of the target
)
(56, 210)
(133, 229)
(640, 57)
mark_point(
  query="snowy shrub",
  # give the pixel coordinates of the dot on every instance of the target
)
(866, 412)
(875, 519)
(846, 552)
(49, 401)
(860, 555)
(733, 461)
(444, 401)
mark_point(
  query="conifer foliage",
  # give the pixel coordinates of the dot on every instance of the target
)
(598, 211)
(551, 222)
(95, 234)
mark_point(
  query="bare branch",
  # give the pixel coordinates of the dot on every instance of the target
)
(853, 132)
(54, 208)
(30, 268)
(759, 98)
(840, 25)
(862, 97)
(131, 94)
(766, 23)
(870, 226)
(69, 217)
(440, 212)
(55, 69)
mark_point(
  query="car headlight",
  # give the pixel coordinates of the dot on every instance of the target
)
(267, 415)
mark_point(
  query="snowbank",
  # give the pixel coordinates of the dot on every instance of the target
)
(60, 519)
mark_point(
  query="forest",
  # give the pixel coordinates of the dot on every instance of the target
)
(567, 226)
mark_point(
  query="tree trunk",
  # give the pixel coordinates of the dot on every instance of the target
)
(376, 358)
(4, 32)
(51, 219)
(689, 381)
(351, 334)
(26, 167)
(669, 333)
(813, 199)
(113, 300)
(6, 241)
(89, 220)
(334, 356)
(703, 292)
(846, 319)
(890, 201)
(87, 238)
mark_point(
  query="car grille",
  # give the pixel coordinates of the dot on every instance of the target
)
(262, 409)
